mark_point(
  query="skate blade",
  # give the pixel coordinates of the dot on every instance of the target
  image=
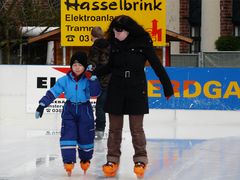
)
(85, 171)
(69, 173)
(110, 174)
(140, 176)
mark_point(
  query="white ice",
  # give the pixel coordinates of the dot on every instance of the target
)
(29, 150)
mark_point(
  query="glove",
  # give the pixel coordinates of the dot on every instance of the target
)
(39, 111)
(90, 68)
(93, 78)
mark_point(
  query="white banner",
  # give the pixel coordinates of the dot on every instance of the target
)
(39, 80)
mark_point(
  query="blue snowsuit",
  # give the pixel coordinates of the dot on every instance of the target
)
(77, 129)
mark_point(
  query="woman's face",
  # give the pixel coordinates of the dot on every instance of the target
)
(78, 68)
(120, 34)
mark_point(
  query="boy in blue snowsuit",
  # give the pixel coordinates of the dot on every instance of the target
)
(77, 131)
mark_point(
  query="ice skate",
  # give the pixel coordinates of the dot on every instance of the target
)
(110, 169)
(99, 135)
(69, 167)
(85, 165)
(139, 169)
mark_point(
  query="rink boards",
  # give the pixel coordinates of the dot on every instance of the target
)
(197, 88)
(194, 88)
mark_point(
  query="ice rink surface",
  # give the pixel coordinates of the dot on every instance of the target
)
(37, 157)
(181, 144)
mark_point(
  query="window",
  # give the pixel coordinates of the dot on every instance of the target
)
(237, 31)
(236, 17)
(236, 12)
(196, 36)
(195, 13)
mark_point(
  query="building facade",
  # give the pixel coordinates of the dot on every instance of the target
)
(204, 21)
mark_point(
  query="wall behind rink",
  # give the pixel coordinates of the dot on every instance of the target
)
(17, 108)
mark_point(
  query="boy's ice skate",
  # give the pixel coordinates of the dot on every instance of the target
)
(110, 169)
(139, 169)
(69, 167)
(85, 164)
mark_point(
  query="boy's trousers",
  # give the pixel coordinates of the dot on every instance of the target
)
(77, 132)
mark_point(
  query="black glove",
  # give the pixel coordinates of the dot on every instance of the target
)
(39, 111)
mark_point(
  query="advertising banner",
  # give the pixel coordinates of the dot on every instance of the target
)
(197, 88)
(39, 80)
(78, 17)
(194, 88)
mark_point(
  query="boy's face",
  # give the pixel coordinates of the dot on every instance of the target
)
(78, 68)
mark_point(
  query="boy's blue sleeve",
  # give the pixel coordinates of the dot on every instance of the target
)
(94, 87)
(47, 99)
(53, 93)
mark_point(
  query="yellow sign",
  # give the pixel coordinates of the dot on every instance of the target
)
(78, 17)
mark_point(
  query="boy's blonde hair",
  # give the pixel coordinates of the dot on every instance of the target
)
(97, 32)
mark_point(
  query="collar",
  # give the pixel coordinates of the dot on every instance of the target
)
(75, 77)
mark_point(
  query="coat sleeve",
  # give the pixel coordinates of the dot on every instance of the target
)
(99, 52)
(159, 70)
(94, 88)
(53, 93)
(58, 88)
(47, 99)
(94, 55)
(104, 69)
(99, 57)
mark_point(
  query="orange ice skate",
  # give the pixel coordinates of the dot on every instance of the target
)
(110, 169)
(69, 167)
(85, 165)
(139, 169)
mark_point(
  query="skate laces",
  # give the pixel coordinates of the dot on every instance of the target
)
(109, 163)
(140, 164)
(110, 169)
(85, 161)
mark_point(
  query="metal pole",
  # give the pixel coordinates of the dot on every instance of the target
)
(164, 55)
(200, 59)
(0, 56)
(64, 55)
(20, 53)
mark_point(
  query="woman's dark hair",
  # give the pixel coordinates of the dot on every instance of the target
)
(126, 23)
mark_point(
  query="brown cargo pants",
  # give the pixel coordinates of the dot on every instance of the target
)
(115, 138)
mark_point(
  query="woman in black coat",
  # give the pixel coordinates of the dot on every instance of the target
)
(131, 47)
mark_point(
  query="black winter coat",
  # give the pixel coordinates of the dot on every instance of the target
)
(127, 90)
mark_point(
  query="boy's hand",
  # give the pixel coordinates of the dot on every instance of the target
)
(93, 78)
(39, 111)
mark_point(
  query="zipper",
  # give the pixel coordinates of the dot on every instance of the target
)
(76, 88)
